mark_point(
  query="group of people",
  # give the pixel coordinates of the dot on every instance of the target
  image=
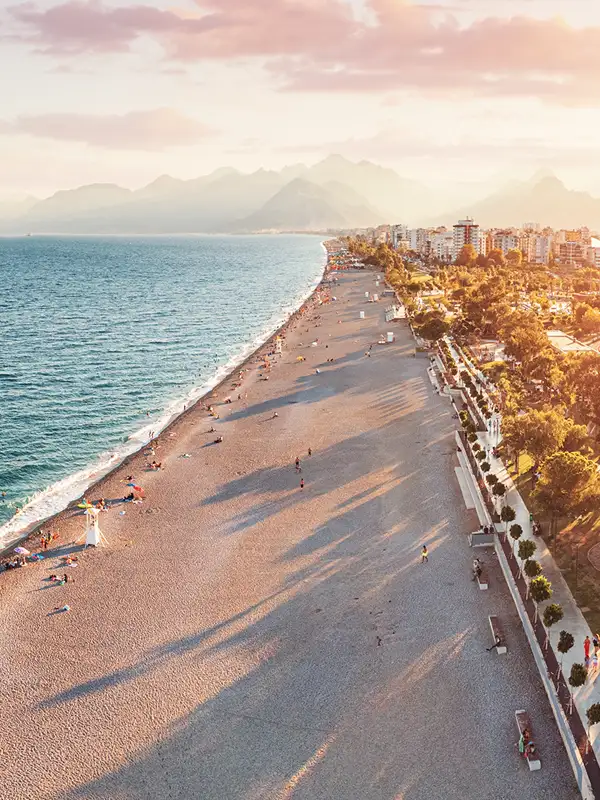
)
(591, 659)
(299, 468)
(526, 745)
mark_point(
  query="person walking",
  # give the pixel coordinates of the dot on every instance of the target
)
(301, 483)
(424, 554)
(298, 467)
(586, 649)
(309, 451)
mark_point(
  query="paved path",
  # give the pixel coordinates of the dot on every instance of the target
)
(295, 647)
(573, 621)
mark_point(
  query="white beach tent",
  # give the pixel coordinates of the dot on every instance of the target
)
(93, 535)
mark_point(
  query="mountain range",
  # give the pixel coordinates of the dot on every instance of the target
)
(333, 194)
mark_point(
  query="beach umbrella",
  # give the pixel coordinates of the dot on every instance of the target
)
(21, 551)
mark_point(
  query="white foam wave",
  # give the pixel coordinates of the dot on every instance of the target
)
(56, 497)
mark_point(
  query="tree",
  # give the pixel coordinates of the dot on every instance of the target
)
(497, 257)
(577, 678)
(467, 256)
(565, 643)
(516, 531)
(499, 489)
(485, 466)
(553, 613)
(567, 482)
(507, 515)
(576, 439)
(539, 433)
(514, 258)
(583, 378)
(526, 549)
(540, 588)
(593, 718)
(532, 568)
(433, 328)
(515, 435)
(525, 342)
(590, 322)
(491, 480)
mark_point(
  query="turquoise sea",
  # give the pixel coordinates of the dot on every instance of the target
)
(104, 339)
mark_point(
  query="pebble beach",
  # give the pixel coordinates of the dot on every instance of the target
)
(242, 637)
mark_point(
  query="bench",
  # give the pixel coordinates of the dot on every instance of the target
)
(523, 722)
(498, 635)
(482, 579)
(481, 539)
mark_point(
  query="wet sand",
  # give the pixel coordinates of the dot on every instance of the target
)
(241, 638)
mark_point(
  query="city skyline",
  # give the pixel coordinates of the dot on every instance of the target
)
(121, 91)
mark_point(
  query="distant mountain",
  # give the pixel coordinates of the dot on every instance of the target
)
(302, 205)
(351, 195)
(399, 199)
(544, 199)
(17, 207)
(74, 202)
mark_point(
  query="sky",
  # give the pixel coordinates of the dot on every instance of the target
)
(454, 93)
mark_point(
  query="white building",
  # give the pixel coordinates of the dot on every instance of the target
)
(542, 249)
(399, 233)
(419, 240)
(442, 246)
(593, 253)
(505, 241)
(532, 226)
(465, 232)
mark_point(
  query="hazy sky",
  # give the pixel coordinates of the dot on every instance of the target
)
(445, 90)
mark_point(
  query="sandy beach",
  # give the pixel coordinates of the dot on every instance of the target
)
(243, 638)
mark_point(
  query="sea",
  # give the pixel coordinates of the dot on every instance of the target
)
(105, 339)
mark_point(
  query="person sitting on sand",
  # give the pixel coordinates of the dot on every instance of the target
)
(218, 440)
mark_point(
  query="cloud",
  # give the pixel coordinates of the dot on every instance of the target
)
(394, 145)
(319, 45)
(158, 129)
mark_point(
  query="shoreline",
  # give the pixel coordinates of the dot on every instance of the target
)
(34, 528)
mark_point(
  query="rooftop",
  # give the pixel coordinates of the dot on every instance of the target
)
(567, 344)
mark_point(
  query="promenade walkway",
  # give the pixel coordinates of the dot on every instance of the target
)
(573, 621)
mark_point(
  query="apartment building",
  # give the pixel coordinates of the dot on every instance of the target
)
(466, 232)
(442, 245)
(399, 234)
(506, 240)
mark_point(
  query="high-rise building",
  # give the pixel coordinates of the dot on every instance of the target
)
(465, 232)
